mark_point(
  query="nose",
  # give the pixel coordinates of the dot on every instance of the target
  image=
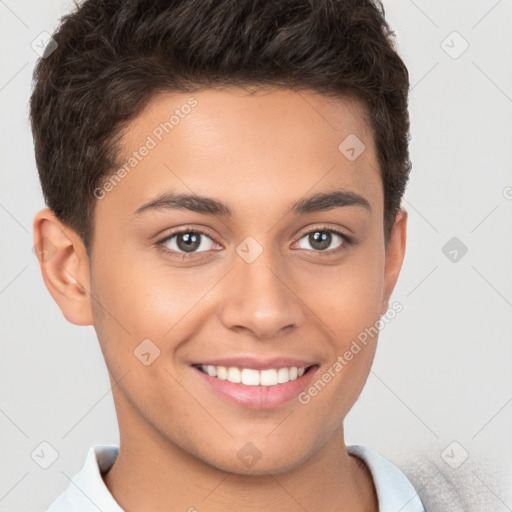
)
(259, 298)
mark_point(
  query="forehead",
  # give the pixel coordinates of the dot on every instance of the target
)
(264, 147)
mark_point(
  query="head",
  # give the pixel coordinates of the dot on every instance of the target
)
(286, 126)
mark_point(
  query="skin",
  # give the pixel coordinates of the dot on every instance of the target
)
(259, 153)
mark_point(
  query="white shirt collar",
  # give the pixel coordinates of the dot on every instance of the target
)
(87, 491)
(394, 491)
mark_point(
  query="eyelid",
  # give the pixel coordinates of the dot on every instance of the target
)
(325, 227)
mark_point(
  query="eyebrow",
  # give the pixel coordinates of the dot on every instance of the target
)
(321, 201)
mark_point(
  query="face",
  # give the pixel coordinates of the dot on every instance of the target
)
(268, 275)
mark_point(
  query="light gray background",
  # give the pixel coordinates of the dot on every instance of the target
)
(442, 370)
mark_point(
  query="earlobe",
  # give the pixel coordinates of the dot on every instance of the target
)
(394, 256)
(64, 266)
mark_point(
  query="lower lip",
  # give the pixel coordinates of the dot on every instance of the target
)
(257, 397)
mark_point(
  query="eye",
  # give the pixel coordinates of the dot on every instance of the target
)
(186, 242)
(321, 238)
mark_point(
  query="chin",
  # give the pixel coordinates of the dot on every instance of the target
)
(251, 461)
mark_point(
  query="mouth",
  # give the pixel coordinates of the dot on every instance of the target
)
(256, 388)
(252, 376)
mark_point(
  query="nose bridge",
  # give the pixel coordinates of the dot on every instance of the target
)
(258, 296)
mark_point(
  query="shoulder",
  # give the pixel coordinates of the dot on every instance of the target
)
(450, 479)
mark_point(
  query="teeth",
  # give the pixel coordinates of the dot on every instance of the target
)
(251, 377)
(222, 372)
(268, 377)
(234, 375)
(283, 375)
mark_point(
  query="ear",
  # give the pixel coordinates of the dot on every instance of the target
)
(394, 257)
(64, 266)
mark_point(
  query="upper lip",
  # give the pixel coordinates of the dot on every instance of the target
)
(258, 363)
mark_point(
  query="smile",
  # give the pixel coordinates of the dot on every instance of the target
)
(269, 387)
(252, 377)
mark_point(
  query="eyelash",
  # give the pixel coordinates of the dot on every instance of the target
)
(184, 256)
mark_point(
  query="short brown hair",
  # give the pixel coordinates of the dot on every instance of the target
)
(112, 56)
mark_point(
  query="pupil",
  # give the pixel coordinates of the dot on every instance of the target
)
(321, 238)
(188, 241)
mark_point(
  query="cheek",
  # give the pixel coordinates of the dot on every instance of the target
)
(349, 306)
(347, 299)
(136, 301)
(126, 311)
